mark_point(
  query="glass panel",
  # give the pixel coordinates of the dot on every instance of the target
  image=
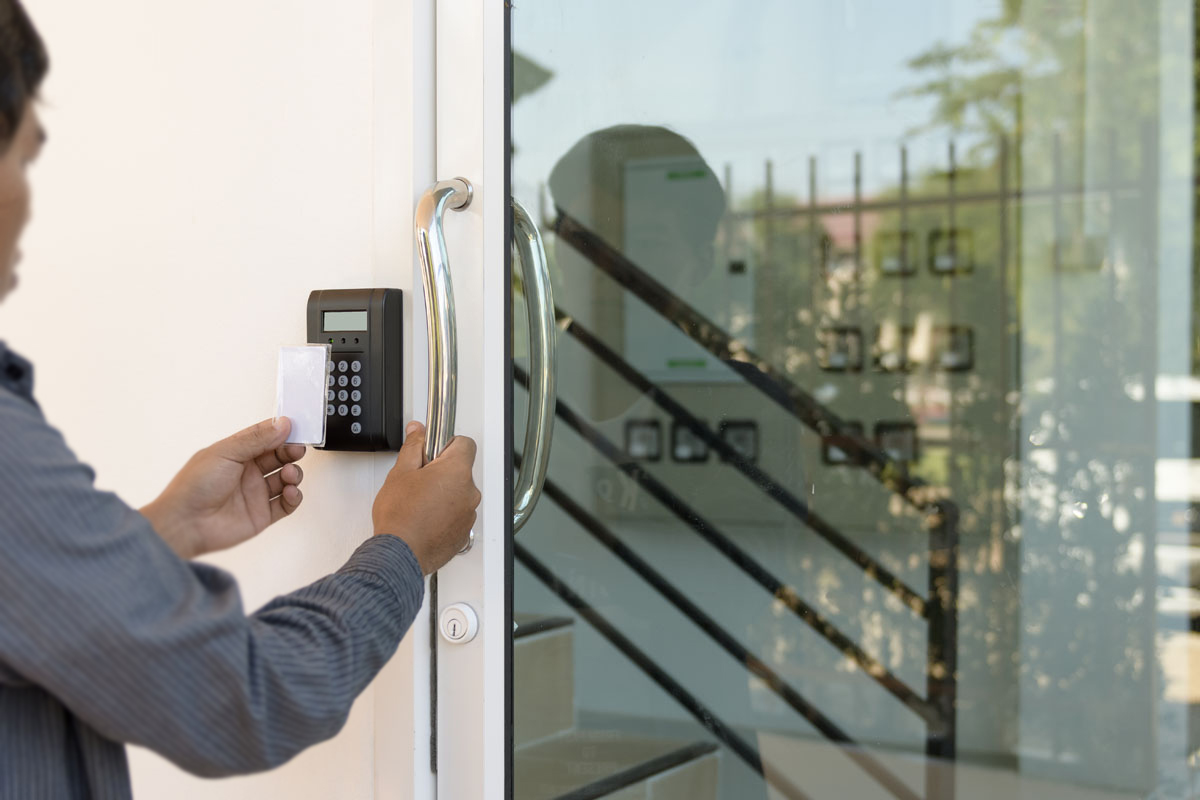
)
(876, 471)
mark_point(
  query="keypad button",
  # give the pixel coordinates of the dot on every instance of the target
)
(342, 380)
(343, 366)
(356, 427)
(329, 366)
(356, 381)
(343, 410)
(329, 410)
(356, 411)
(343, 395)
(356, 395)
(356, 366)
(329, 380)
(329, 395)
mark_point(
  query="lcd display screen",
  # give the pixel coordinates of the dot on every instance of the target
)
(345, 320)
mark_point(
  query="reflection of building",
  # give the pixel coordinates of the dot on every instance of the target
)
(841, 244)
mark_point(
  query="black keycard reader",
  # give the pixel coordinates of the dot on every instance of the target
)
(363, 402)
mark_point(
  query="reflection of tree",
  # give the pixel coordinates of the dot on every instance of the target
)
(980, 93)
(1065, 315)
(1070, 92)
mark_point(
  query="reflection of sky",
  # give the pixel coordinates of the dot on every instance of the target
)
(781, 80)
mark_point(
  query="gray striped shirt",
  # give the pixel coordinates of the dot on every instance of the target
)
(107, 637)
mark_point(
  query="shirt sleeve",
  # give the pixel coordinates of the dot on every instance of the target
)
(151, 650)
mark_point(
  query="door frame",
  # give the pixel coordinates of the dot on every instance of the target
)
(473, 711)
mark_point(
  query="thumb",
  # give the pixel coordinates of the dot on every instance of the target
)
(412, 453)
(254, 441)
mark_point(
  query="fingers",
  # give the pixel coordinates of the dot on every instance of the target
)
(287, 502)
(290, 475)
(284, 454)
(255, 441)
(412, 453)
(460, 447)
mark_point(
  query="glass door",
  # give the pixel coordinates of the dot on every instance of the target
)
(874, 463)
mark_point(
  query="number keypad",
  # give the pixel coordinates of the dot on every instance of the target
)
(345, 370)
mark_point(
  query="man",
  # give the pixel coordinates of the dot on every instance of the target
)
(108, 634)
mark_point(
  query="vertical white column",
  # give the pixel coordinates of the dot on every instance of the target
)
(471, 140)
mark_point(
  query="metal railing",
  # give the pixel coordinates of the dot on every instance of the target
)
(940, 604)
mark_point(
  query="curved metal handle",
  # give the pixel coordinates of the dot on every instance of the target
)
(539, 302)
(439, 309)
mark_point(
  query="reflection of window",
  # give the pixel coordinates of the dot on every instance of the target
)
(839, 265)
(742, 437)
(643, 439)
(954, 348)
(892, 344)
(951, 251)
(840, 349)
(686, 446)
(898, 440)
(836, 448)
(894, 253)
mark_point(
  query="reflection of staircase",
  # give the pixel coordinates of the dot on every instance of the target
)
(549, 735)
(554, 760)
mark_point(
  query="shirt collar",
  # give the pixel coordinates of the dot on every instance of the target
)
(16, 374)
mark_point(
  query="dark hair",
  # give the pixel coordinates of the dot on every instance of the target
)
(23, 65)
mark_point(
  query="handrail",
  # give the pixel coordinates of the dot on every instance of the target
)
(704, 715)
(726, 641)
(772, 488)
(785, 593)
(529, 252)
(439, 308)
(943, 514)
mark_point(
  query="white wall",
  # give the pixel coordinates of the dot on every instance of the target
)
(210, 164)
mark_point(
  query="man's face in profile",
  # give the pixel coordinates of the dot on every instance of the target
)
(22, 151)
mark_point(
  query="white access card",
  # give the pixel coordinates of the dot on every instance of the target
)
(301, 391)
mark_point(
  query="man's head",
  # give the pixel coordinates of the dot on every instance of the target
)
(23, 66)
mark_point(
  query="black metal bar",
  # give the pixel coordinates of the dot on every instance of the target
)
(955, 250)
(858, 265)
(611, 784)
(769, 216)
(787, 594)
(1002, 209)
(1056, 206)
(772, 488)
(906, 266)
(941, 674)
(704, 715)
(1110, 250)
(754, 369)
(941, 682)
(814, 238)
(951, 180)
(718, 634)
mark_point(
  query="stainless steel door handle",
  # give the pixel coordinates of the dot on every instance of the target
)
(439, 310)
(529, 252)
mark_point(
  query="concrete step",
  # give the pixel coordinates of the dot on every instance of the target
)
(543, 678)
(589, 765)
